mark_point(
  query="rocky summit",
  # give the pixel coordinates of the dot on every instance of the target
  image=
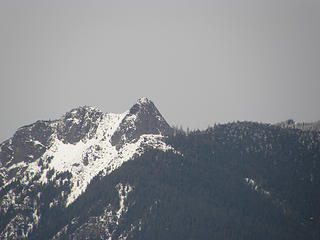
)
(70, 152)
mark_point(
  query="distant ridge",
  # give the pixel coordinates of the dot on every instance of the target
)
(309, 126)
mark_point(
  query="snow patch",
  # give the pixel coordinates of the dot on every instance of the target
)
(253, 184)
(36, 142)
(123, 191)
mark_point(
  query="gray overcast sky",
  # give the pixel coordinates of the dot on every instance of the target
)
(200, 61)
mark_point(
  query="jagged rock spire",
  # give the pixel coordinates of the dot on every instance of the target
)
(143, 118)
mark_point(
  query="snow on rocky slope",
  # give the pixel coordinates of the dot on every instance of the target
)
(81, 143)
(71, 151)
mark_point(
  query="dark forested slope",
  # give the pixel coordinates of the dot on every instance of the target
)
(233, 181)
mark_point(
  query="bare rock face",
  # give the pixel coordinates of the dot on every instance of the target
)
(143, 118)
(27, 144)
(78, 123)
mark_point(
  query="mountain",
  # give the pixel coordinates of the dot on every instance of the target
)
(67, 154)
(72, 179)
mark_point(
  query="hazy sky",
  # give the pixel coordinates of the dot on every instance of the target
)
(200, 61)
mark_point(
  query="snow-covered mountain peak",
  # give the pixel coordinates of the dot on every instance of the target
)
(83, 143)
